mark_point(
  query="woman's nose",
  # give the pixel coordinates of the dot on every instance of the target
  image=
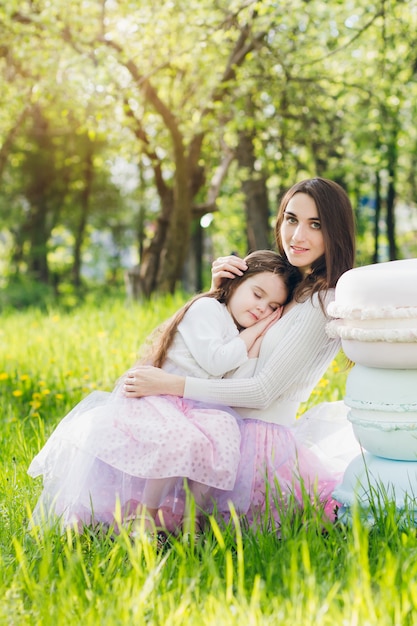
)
(299, 234)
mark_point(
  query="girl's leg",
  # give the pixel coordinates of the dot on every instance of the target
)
(200, 495)
(153, 495)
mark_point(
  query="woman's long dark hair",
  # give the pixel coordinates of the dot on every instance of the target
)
(257, 262)
(338, 227)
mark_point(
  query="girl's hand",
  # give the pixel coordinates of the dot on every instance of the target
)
(253, 352)
(255, 333)
(226, 267)
(146, 380)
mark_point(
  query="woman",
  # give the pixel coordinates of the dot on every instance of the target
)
(315, 231)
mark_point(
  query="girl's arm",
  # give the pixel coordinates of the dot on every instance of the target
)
(211, 337)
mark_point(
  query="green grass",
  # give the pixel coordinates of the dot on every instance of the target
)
(355, 576)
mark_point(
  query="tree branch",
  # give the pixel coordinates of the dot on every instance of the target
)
(140, 134)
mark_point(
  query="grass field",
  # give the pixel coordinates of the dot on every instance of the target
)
(354, 576)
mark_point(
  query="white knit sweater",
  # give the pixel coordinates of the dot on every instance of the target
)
(295, 353)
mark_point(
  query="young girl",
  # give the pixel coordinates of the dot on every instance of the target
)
(315, 232)
(111, 451)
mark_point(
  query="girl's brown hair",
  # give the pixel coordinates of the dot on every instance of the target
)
(338, 227)
(257, 262)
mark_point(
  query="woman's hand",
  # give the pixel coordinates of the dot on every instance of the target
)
(226, 267)
(146, 380)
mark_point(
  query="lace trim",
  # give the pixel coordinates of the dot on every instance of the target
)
(390, 335)
(371, 405)
(371, 313)
(385, 426)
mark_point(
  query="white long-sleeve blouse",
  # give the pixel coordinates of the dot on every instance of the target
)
(207, 342)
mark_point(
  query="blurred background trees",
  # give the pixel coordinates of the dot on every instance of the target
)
(155, 135)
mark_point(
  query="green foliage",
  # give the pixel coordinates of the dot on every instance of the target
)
(22, 292)
(98, 123)
(311, 573)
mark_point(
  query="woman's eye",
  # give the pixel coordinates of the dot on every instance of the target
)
(316, 225)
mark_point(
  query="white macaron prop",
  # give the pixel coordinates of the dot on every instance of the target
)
(375, 316)
(375, 311)
(372, 483)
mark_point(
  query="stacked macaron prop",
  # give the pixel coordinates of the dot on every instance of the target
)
(375, 311)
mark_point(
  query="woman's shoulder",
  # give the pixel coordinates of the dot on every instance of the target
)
(312, 306)
(324, 297)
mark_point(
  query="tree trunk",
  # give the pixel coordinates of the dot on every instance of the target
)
(41, 175)
(163, 263)
(85, 207)
(10, 137)
(256, 195)
(391, 195)
(39, 234)
(375, 258)
(192, 276)
(178, 236)
(150, 261)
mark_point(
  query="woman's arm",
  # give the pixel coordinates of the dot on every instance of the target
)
(295, 353)
(147, 380)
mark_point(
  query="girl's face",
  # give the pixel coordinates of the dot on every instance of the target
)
(256, 297)
(301, 234)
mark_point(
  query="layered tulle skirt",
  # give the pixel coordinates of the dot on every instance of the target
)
(111, 456)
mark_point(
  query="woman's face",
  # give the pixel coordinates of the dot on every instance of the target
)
(301, 234)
